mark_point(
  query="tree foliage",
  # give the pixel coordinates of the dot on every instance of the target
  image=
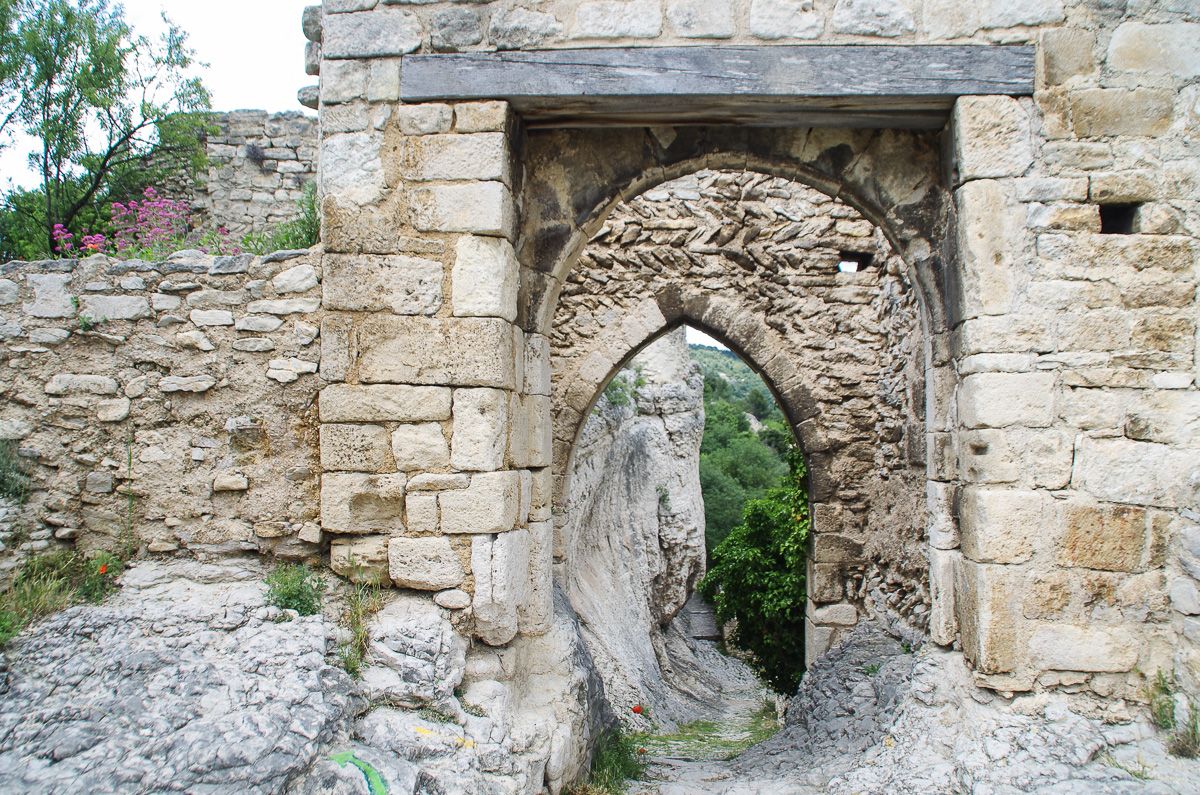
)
(110, 112)
(757, 578)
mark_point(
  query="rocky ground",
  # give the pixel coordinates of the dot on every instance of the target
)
(187, 681)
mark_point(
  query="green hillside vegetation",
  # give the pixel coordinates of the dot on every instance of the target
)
(737, 463)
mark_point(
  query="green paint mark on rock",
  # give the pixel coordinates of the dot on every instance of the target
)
(375, 782)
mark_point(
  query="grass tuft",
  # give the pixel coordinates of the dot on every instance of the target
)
(1185, 742)
(294, 586)
(362, 602)
(54, 581)
(614, 762)
(14, 474)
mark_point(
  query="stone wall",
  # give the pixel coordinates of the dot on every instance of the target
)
(170, 404)
(258, 165)
(842, 349)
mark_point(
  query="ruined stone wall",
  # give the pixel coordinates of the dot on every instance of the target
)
(849, 342)
(258, 165)
(170, 404)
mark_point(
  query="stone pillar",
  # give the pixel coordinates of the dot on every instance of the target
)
(431, 440)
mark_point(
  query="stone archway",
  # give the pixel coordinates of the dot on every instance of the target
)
(757, 261)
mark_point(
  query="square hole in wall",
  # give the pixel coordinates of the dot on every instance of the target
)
(1118, 219)
(853, 261)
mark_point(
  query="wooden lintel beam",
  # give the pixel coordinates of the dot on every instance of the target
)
(859, 85)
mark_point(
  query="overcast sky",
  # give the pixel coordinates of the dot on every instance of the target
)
(254, 50)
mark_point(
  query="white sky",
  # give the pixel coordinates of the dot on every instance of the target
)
(696, 337)
(254, 50)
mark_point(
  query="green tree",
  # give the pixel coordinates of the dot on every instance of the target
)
(757, 577)
(759, 403)
(110, 111)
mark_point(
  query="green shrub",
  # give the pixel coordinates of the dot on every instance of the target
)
(363, 600)
(301, 232)
(51, 582)
(294, 586)
(757, 578)
(1162, 701)
(1185, 741)
(14, 475)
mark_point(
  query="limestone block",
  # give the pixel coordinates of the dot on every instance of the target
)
(297, 279)
(472, 156)
(112, 410)
(1172, 49)
(873, 17)
(230, 481)
(351, 167)
(417, 350)
(381, 33)
(358, 503)
(998, 400)
(420, 447)
(992, 248)
(258, 323)
(949, 19)
(1011, 13)
(1185, 596)
(366, 283)
(1117, 111)
(520, 28)
(10, 293)
(424, 119)
(481, 422)
(384, 403)
(211, 317)
(453, 599)
(991, 138)
(994, 638)
(943, 574)
(342, 81)
(482, 208)
(284, 306)
(536, 431)
(421, 512)
(114, 307)
(1164, 331)
(438, 482)
(536, 612)
(1002, 525)
(1063, 647)
(488, 505)
(484, 278)
(355, 448)
(1170, 417)
(362, 560)
(418, 659)
(51, 297)
(1121, 187)
(456, 28)
(614, 19)
(425, 564)
(253, 345)
(841, 615)
(1138, 473)
(473, 117)
(1102, 536)
(701, 19)
(189, 383)
(285, 371)
(70, 383)
(537, 365)
(501, 568)
(541, 495)
(1039, 458)
(939, 507)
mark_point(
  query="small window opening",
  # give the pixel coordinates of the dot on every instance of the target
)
(1118, 219)
(853, 261)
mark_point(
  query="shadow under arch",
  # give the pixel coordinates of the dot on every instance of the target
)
(893, 178)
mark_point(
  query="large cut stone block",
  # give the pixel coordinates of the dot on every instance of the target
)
(358, 503)
(481, 208)
(991, 138)
(354, 448)
(365, 283)
(489, 505)
(481, 421)
(1001, 525)
(476, 156)
(992, 243)
(485, 277)
(384, 403)
(426, 564)
(537, 611)
(1167, 49)
(702, 19)
(785, 19)
(441, 351)
(618, 19)
(1139, 473)
(991, 628)
(1118, 111)
(420, 447)
(361, 559)
(371, 34)
(501, 568)
(998, 400)
(1063, 647)
(943, 574)
(1100, 536)
(51, 298)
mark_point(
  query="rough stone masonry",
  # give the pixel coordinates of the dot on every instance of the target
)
(1048, 240)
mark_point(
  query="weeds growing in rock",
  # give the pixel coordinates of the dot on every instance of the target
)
(1161, 695)
(614, 762)
(871, 670)
(363, 601)
(52, 582)
(1185, 737)
(1185, 741)
(294, 586)
(14, 475)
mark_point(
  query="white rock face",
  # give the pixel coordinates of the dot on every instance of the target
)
(635, 542)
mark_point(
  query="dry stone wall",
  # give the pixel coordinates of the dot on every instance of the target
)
(168, 404)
